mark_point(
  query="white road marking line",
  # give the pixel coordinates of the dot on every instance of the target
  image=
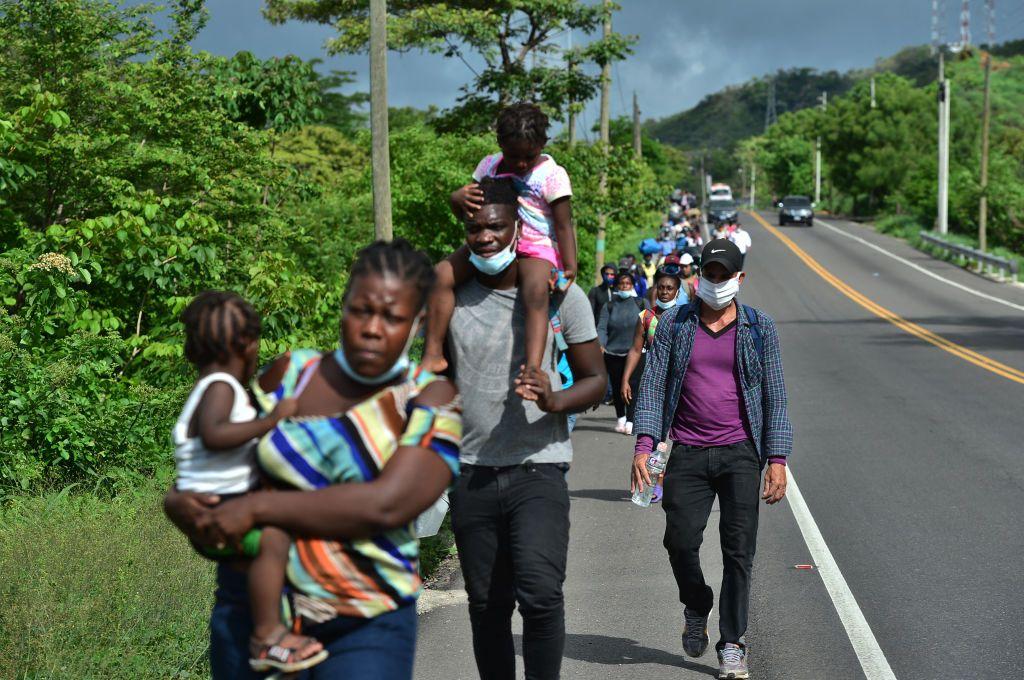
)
(919, 268)
(872, 659)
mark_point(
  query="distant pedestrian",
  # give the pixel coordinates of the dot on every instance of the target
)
(741, 237)
(615, 329)
(648, 268)
(602, 293)
(714, 388)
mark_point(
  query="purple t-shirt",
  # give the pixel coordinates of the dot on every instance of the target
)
(710, 410)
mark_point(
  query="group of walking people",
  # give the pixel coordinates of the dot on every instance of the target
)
(303, 479)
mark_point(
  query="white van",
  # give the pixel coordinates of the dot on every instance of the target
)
(720, 192)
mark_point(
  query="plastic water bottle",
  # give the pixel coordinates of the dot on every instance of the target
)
(655, 466)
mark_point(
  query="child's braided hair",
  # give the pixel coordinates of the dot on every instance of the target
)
(218, 324)
(522, 122)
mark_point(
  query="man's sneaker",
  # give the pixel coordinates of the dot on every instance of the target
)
(695, 633)
(732, 662)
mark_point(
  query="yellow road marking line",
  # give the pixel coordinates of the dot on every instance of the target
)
(895, 319)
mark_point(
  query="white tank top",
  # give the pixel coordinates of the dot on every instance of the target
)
(221, 472)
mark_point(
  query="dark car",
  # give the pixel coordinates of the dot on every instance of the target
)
(796, 209)
(722, 211)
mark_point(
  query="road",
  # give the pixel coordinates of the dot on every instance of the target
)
(908, 456)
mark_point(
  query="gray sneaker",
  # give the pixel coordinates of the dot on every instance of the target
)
(732, 662)
(695, 633)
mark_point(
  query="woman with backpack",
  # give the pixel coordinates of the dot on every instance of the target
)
(615, 329)
(666, 296)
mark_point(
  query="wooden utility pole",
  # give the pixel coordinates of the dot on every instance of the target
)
(638, 150)
(572, 110)
(606, 99)
(942, 209)
(985, 116)
(380, 153)
(817, 155)
(753, 187)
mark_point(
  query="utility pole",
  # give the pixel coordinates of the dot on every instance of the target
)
(572, 104)
(638, 149)
(606, 97)
(983, 201)
(753, 186)
(873, 92)
(817, 155)
(942, 213)
(380, 153)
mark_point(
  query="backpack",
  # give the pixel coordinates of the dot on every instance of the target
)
(751, 314)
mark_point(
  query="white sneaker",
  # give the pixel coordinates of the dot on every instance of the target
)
(620, 425)
(629, 428)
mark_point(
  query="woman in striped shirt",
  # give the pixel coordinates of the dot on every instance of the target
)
(374, 442)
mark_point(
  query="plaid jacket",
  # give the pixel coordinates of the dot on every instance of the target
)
(764, 389)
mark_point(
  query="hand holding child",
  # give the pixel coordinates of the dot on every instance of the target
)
(285, 408)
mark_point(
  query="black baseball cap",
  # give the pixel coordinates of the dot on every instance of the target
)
(724, 252)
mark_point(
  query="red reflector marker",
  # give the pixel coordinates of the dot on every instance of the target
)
(803, 566)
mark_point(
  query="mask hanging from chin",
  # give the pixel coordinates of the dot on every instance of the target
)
(665, 305)
(397, 369)
(718, 295)
(497, 263)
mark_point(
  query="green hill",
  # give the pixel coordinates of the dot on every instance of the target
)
(737, 112)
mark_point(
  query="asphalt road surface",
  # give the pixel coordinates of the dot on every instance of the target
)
(909, 459)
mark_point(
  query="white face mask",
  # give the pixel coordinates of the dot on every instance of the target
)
(718, 295)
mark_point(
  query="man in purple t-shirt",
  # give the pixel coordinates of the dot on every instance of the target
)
(714, 388)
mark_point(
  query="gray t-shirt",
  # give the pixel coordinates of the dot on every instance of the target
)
(487, 344)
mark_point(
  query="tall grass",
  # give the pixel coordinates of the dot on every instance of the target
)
(100, 588)
(95, 587)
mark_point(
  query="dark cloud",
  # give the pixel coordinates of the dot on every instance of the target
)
(687, 48)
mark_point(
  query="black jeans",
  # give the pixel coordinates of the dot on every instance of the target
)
(616, 366)
(692, 480)
(512, 530)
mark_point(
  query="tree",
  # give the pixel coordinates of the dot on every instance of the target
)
(513, 39)
(281, 93)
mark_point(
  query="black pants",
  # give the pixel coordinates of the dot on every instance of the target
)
(512, 530)
(616, 366)
(692, 480)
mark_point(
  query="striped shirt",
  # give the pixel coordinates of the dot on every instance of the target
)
(361, 577)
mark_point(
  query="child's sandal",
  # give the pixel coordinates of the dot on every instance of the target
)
(285, 658)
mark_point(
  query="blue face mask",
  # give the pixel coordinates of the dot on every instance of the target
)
(497, 263)
(399, 368)
(626, 294)
(609, 280)
(665, 305)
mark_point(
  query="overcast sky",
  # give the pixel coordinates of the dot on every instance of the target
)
(686, 50)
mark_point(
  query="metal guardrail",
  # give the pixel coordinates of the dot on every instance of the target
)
(991, 262)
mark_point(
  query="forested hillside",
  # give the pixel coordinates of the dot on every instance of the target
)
(725, 117)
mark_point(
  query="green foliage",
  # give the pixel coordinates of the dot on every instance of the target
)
(340, 111)
(722, 119)
(507, 35)
(100, 587)
(881, 160)
(279, 93)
